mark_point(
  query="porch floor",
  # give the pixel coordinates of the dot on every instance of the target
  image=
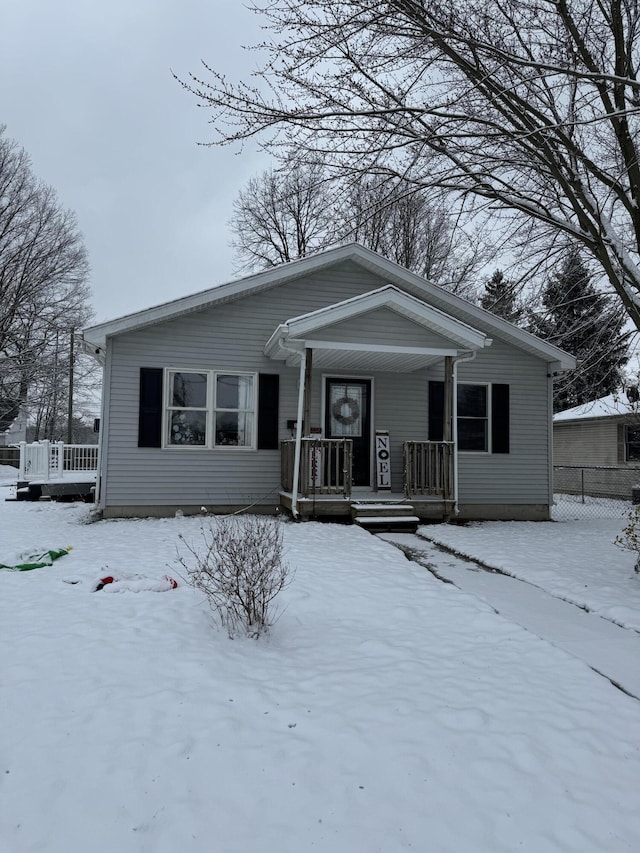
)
(427, 508)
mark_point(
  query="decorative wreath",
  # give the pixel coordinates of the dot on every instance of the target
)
(354, 411)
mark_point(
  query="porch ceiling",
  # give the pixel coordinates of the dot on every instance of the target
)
(335, 355)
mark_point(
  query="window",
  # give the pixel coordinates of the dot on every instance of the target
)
(187, 409)
(234, 409)
(632, 444)
(205, 408)
(473, 417)
(483, 416)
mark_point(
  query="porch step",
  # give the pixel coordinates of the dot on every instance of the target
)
(381, 516)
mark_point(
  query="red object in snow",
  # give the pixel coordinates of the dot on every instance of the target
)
(103, 582)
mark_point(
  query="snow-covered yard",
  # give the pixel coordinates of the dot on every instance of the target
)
(575, 558)
(386, 711)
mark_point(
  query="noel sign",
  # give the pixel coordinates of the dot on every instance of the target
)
(383, 460)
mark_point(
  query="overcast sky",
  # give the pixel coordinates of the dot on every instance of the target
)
(87, 91)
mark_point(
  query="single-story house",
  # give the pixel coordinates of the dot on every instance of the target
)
(596, 446)
(319, 385)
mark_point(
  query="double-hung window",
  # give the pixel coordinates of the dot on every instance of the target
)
(187, 408)
(632, 444)
(234, 409)
(473, 417)
(208, 408)
(483, 420)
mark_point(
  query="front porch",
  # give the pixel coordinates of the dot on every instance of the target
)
(365, 365)
(325, 482)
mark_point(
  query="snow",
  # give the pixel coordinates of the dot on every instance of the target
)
(386, 711)
(605, 407)
(8, 474)
(574, 558)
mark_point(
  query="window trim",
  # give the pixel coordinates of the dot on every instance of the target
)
(210, 411)
(488, 418)
(627, 428)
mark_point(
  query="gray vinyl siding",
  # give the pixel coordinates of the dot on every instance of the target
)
(382, 326)
(587, 442)
(232, 337)
(522, 475)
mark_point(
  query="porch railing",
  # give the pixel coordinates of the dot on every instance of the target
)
(49, 460)
(325, 466)
(428, 468)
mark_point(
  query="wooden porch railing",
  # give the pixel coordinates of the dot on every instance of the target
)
(428, 468)
(48, 460)
(325, 466)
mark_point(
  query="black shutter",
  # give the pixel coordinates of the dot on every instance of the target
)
(499, 418)
(150, 415)
(436, 411)
(268, 394)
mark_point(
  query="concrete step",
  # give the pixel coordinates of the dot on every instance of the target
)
(388, 523)
(387, 519)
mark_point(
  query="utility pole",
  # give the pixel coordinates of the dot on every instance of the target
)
(70, 401)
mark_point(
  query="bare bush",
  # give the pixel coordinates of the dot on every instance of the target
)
(629, 539)
(240, 567)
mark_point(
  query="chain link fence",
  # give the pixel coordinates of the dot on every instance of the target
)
(600, 491)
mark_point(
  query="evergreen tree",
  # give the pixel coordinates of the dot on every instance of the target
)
(499, 297)
(587, 324)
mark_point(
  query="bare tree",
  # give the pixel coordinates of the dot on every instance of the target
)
(527, 107)
(285, 213)
(281, 215)
(43, 279)
(413, 227)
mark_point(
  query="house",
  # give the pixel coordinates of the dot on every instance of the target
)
(319, 385)
(596, 446)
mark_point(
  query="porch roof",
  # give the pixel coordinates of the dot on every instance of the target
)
(292, 337)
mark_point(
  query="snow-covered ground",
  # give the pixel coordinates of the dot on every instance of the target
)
(386, 711)
(574, 558)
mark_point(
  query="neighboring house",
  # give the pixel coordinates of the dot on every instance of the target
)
(17, 431)
(603, 438)
(271, 391)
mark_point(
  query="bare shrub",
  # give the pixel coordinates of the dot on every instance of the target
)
(629, 538)
(240, 567)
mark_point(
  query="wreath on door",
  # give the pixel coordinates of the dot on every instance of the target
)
(353, 414)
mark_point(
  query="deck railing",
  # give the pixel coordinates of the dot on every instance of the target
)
(51, 460)
(325, 466)
(428, 468)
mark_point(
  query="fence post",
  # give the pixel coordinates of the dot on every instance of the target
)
(60, 459)
(582, 483)
(23, 460)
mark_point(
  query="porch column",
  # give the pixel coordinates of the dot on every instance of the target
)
(303, 426)
(447, 414)
(308, 364)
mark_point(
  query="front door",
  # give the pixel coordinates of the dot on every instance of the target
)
(348, 415)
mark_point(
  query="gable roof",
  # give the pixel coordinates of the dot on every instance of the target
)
(95, 337)
(290, 338)
(611, 406)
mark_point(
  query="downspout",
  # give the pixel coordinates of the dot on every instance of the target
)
(298, 447)
(456, 361)
(296, 458)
